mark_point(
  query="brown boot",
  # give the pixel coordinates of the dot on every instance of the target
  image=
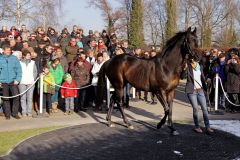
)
(54, 108)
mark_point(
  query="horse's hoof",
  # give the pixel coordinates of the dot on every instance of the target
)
(175, 133)
(111, 125)
(130, 127)
(159, 125)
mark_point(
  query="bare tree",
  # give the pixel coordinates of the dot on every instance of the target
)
(209, 15)
(18, 10)
(152, 26)
(4, 8)
(228, 35)
(110, 16)
(47, 13)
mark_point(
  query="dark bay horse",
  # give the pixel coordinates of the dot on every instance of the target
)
(159, 75)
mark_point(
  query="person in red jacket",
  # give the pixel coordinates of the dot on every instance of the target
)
(68, 93)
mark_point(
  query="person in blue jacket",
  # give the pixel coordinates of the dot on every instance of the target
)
(10, 76)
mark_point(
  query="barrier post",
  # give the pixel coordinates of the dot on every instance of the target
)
(41, 95)
(216, 111)
(108, 93)
(134, 92)
(216, 93)
(41, 114)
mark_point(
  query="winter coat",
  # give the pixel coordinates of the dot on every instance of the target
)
(25, 35)
(42, 60)
(53, 38)
(71, 52)
(64, 63)
(65, 93)
(48, 84)
(74, 62)
(32, 43)
(80, 75)
(95, 70)
(64, 41)
(232, 83)
(29, 71)
(3, 34)
(10, 69)
(57, 72)
(188, 73)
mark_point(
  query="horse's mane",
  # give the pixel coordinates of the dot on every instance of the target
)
(171, 42)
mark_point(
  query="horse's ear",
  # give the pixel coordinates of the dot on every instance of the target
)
(189, 29)
(195, 30)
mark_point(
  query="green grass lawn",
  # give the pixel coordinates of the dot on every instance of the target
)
(9, 139)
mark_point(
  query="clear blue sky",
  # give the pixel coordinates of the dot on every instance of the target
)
(77, 12)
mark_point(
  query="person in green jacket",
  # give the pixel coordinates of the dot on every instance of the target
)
(55, 68)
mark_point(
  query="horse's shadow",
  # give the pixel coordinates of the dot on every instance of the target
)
(144, 113)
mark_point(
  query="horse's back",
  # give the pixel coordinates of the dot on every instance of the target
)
(127, 68)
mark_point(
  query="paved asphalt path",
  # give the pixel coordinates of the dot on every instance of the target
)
(99, 142)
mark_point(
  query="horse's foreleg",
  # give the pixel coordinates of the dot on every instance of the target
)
(162, 100)
(170, 97)
(170, 123)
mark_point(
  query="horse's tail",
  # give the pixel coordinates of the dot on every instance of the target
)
(102, 85)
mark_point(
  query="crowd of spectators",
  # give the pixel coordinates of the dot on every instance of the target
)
(226, 64)
(72, 59)
(69, 59)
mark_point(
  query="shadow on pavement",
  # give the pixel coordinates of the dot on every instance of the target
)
(99, 142)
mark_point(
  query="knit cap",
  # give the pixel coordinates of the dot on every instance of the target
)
(67, 77)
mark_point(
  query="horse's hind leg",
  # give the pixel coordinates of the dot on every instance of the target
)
(109, 114)
(119, 94)
(129, 125)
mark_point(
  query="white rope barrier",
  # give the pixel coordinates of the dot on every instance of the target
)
(225, 94)
(22, 92)
(67, 87)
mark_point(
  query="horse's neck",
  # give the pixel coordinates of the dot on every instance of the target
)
(172, 61)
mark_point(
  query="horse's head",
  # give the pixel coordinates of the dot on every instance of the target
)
(191, 42)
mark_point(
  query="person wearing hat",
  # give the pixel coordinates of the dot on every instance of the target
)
(32, 41)
(64, 40)
(106, 38)
(68, 93)
(195, 87)
(89, 37)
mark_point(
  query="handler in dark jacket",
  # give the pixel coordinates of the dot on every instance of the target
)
(194, 89)
(232, 83)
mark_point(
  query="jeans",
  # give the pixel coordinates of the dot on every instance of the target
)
(80, 100)
(47, 102)
(6, 102)
(26, 99)
(55, 95)
(195, 98)
(69, 103)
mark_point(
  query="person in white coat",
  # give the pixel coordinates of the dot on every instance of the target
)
(29, 74)
(95, 70)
